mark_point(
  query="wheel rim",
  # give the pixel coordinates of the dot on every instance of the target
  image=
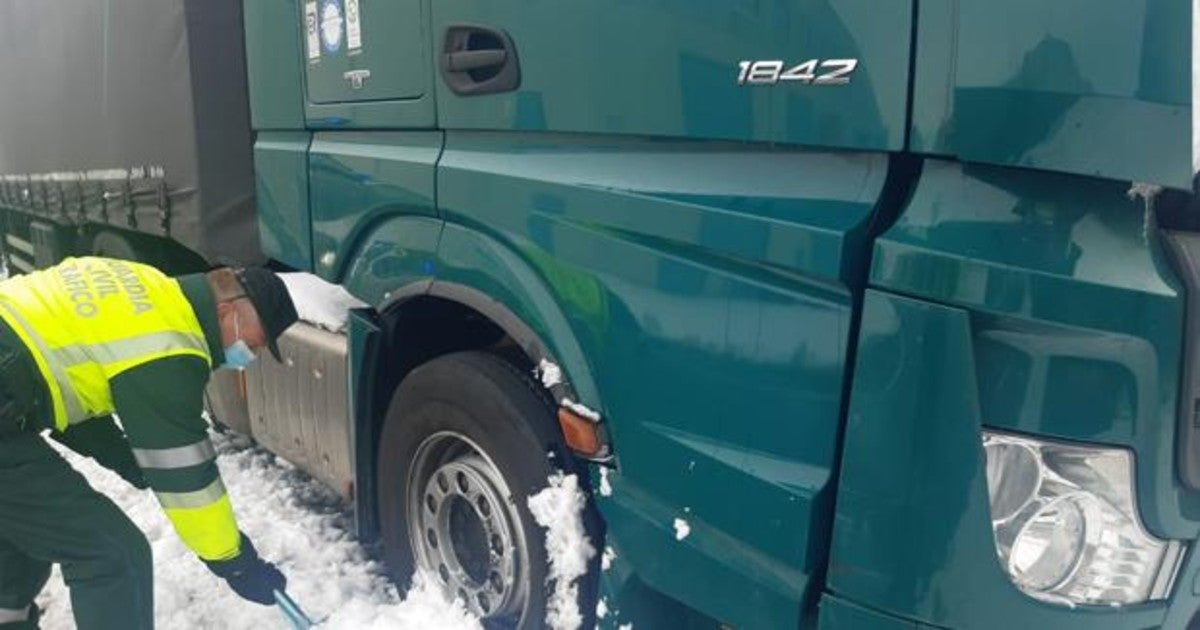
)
(464, 527)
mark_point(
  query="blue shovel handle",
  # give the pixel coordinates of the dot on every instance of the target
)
(294, 615)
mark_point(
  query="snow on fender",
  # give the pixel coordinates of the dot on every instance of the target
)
(682, 529)
(320, 303)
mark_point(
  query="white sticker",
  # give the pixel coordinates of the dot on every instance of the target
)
(353, 27)
(331, 25)
(310, 29)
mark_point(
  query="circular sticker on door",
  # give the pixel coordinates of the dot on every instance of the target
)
(331, 25)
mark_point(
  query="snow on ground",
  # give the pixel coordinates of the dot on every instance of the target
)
(319, 302)
(295, 522)
(559, 509)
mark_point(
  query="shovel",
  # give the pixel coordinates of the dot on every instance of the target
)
(294, 615)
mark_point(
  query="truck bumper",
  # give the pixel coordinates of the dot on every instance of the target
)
(840, 614)
(912, 532)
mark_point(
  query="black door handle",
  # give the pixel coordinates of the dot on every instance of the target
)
(474, 59)
(478, 60)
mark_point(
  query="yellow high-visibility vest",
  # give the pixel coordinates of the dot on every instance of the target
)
(88, 319)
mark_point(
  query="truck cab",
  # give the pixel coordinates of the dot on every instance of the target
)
(845, 313)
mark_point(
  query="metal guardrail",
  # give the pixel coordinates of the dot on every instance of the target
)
(110, 196)
(18, 243)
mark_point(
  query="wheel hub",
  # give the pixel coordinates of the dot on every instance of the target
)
(465, 531)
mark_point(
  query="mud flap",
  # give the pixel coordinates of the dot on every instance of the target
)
(365, 339)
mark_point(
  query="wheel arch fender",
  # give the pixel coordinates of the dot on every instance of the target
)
(523, 308)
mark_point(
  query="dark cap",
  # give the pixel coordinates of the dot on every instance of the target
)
(271, 300)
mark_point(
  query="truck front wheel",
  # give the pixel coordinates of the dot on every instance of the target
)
(467, 439)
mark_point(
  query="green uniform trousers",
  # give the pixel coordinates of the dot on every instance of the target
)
(48, 514)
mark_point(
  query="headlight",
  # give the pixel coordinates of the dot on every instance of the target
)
(1066, 526)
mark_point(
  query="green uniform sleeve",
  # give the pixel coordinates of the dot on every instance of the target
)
(102, 440)
(160, 405)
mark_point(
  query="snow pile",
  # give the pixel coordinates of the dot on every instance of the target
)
(295, 522)
(319, 302)
(559, 508)
(423, 608)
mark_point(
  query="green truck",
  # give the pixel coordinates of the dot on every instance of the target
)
(851, 313)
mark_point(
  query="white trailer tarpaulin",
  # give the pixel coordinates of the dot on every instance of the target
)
(132, 113)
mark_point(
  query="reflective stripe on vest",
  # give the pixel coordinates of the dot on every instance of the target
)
(88, 319)
(211, 493)
(178, 457)
(127, 349)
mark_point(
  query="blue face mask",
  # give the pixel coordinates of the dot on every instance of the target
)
(238, 355)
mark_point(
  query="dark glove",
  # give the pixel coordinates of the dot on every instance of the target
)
(104, 442)
(250, 576)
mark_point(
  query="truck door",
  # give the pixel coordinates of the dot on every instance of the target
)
(693, 181)
(349, 60)
(367, 65)
(740, 70)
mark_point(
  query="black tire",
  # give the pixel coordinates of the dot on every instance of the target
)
(111, 244)
(480, 410)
